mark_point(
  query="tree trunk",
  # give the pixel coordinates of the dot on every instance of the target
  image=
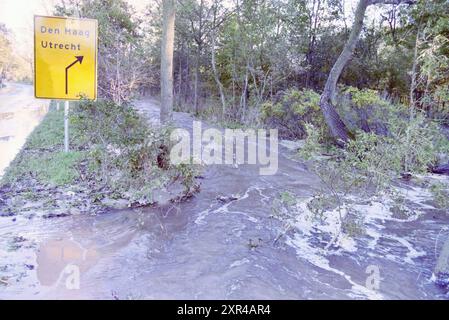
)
(199, 42)
(414, 75)
(333, 120)
(168, 36)
(179, 93)
(196, 82)
(313, 28)
(217, 78)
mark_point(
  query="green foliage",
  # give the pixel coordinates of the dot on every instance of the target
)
(187, 173)
(114, 153)
(288, 198)
(114, 19)
(365, 110)
(440, 193)
(399, 208)
(427, 23)
(434, 60)
(364, 98)
(353, 226)
(126, 154)
(300, 102)
(56, 169)
(270, 109)
(417, 142)
(263, 47)
(13, 67)
(50, 133)
(313, 143)
(119, 46)
(370, 165)
(292, 112)
(304, 102)
(320, 203)
(371, 161)
(123, 150)
(5, 48)
(283, 207)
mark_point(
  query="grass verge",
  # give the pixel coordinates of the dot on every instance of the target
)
(115, 160)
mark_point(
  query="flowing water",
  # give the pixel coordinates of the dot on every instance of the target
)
(221, 244)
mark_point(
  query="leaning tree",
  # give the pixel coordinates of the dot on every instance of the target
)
(337, 127)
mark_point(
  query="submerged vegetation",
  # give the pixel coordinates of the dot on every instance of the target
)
(389, 157)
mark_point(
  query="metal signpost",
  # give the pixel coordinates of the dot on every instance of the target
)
(65, 61)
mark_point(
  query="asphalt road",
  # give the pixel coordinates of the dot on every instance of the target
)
(20, 113)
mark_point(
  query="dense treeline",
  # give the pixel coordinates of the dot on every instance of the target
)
(231, 57)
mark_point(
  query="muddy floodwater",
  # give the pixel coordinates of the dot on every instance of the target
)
(222, 244)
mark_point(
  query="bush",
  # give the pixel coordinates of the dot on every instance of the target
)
(372, 161)
(124, 153)
(418, 142)
(366, 110)
(440, 193)
(291, 111)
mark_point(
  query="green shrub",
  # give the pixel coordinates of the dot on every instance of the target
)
(440, 193)
(124, 153)
(50, 133)
(366, 110)
(313, 145)
(372, 161)
(57, 168)
(353, 226)
(417, 143)
(291, 111)
(364, 98)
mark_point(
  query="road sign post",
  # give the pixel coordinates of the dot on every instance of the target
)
(66, 126)
(65, 61)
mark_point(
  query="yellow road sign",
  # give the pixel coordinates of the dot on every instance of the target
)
(65, 58)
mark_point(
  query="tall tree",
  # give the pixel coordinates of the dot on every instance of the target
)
(167, 45)
(336, 125)
(199, 17)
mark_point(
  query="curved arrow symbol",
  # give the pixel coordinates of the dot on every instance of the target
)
(78, 59)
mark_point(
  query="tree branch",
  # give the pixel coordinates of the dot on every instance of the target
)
(396, 2)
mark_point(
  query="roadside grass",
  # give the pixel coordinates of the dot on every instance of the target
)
(49, 135)
(386, 159)
(57, 168)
